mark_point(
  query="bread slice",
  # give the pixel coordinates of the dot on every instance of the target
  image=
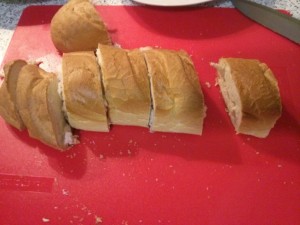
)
(251, 94)
(178, 103)
(8, 109)
(126, 85)
(82, 92)
(77, 26)
(40, 107)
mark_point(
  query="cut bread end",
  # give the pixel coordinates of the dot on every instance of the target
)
(251, 95)
(8, 106)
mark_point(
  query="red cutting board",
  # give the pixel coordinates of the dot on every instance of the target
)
(130, 176)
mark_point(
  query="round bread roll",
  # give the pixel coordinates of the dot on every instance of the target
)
(77, 27)
(8, 109)
(251, 94)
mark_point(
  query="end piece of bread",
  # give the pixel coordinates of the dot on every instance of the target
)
(77, 26)
(177, 99)
(126, 85)
(251, 94)
(40, 108)
(8, 109)
(82, 92)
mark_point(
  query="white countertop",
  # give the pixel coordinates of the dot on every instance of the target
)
(11, 11)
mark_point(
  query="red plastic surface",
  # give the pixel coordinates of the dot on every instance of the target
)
(130, 176)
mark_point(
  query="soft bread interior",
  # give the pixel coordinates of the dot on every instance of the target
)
(230, 93)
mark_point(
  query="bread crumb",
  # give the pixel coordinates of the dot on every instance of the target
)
(207, 84)
(98, 219)
(45, 220)
(129, 152)
(65, 192)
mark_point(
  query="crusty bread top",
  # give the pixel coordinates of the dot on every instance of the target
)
(257, 87)
(140, 72)
(177, 97)
(82, 91)
(8, 109)
(126, 87)
(77, 26)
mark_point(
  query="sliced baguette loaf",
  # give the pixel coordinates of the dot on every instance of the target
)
(82, 92)
(251, 94)
(40, 107)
